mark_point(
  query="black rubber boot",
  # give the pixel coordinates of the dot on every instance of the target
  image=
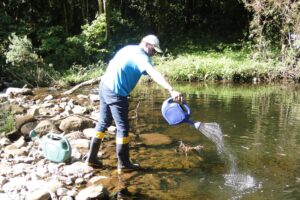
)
(92, 159)
(123, 194)
(124, 163)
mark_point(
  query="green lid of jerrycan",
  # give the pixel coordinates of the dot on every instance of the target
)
(56, 148)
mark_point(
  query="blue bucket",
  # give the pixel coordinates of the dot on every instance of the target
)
(175, 113)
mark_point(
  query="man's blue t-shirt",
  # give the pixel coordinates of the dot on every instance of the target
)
(125, 69)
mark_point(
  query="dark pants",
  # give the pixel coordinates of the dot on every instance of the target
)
(114, 107)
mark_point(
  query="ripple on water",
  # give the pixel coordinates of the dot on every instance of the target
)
(241, 183)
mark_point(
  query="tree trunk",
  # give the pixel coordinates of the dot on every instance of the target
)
(87, 10)
(71, 15)
(83, 10)
(123, 8)
(100, 5)
(65, 15)
(107, 16)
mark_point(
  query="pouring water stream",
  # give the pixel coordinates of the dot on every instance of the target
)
(240, 183)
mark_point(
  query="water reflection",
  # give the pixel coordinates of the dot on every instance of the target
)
(260, 124)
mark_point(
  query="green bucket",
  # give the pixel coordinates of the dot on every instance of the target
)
(56, 148)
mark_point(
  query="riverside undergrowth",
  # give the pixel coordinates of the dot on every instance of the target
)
(220, 62)
(200, 61)
(6, 121)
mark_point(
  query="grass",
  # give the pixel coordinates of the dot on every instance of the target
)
(203, 59)
(77, 74)
(219, 62)
(6, 122)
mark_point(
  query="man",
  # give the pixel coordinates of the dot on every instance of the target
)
(120, 78)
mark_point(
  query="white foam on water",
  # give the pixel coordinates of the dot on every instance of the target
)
(240, 182)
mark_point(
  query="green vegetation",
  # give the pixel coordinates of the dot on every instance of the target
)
(221, 62)
(203, 40)
(25, 65)
(6, 121)
(78, 73)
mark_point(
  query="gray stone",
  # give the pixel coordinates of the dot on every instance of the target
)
(23, 119)
(94, 97)
(33, 111)
(80, 110)
(3, 180)
(73, 123)
(80, 143)
(4, 196)
(26, 128)
(17, 109)
(4, 142)
(93, 192)
(48, 98)
(78, 168)
(16, 91)
(20, 142)
(14, 151)
(45, 127)
(41, 194)
(89, 132)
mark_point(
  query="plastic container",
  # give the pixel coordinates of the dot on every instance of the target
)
(175, 113)
(55, 147)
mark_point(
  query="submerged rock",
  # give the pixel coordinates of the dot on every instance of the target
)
(155, 139)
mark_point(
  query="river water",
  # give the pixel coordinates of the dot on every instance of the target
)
(261, 139)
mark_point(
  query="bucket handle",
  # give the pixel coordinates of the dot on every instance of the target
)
(49, 135)
(186, 108)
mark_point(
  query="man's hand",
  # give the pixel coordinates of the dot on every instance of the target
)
(177, 96)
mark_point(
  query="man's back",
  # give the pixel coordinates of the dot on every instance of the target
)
(125, 69)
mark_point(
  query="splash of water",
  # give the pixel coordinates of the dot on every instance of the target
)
(241, 183)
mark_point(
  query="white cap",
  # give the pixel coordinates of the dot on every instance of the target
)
(152, 39)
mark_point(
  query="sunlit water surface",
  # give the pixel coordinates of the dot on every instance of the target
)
(255, 157)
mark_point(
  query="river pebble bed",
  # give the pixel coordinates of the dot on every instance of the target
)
(27, 173)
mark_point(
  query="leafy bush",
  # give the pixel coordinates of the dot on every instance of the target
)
(53, 48)
(276, 23)
(20, 52)
(93, 36)
(63, 52)
(25, 65)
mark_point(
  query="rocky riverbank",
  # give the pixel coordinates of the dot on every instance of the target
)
(25, 173)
